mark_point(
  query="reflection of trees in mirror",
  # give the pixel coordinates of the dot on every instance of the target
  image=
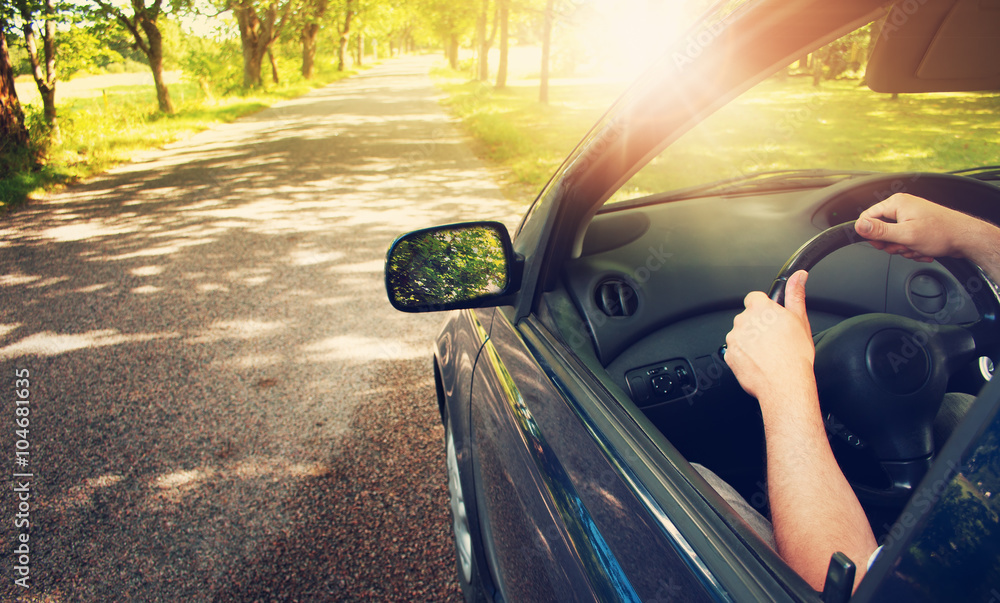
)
(447, 266)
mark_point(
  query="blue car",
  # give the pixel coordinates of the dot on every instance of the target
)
(580, 374)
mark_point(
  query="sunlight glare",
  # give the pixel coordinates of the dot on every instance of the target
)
(627, 36)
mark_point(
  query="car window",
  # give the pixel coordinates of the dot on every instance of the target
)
(818, 114)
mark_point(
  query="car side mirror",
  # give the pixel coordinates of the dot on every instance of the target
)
(468, 265)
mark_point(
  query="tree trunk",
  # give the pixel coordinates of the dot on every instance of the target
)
(484, 44)
(361, 48)
(13, 133)
(308, 36)
(345, 37)
(504, 42)
(155, 56)
(309, 49)
(256, 36)
(543, 88)
(453, 51)
(250, 32)
(45, 78)
(274, 65)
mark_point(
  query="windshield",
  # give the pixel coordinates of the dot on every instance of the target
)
(816, 121)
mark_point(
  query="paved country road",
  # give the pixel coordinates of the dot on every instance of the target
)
(223, 405)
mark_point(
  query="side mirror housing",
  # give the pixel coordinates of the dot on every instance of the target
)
(467, 265)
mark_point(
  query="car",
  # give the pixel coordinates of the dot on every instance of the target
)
(580, 372)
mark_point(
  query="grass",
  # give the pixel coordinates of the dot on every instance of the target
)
(100, 132)
(783, 123)
(511, 129)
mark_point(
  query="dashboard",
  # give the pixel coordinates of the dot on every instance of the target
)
(657, 286)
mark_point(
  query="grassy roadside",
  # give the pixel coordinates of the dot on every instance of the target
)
(526, 139)
(103, 131)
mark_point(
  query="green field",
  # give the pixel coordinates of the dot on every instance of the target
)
(783, 123)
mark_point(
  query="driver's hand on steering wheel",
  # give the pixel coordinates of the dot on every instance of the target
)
(770, 349)
(922, 230)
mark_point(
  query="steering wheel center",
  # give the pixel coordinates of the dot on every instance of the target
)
(897, 361)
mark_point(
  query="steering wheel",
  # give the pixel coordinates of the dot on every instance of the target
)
(881, 377)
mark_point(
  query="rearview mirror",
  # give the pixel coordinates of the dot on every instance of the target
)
(469, 265)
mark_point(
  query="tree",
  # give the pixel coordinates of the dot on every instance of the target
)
(450, 21)
(260, 23)
(504, 7)
(45, 78)
(388, 22)
(359, 56)
(311, 14)
(345, 34)
(142, 24)
(543, 87)
(485, 42)
(13, 133)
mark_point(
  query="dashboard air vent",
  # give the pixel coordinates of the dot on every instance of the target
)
(616, 298)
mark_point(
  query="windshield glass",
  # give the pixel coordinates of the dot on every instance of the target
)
(816, 121)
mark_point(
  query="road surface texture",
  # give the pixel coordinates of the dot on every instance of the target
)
(222, 404)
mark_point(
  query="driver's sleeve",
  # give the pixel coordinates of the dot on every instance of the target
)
(754, 519)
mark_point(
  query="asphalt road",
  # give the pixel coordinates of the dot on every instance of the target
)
(223, 405)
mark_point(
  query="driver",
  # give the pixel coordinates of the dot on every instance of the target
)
(814, 511)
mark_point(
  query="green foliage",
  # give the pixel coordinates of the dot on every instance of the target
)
(117, 39)
(215, 64)
(82, 49)
(447, 18)
(18, 55)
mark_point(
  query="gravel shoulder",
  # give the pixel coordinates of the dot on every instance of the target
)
(223, 404)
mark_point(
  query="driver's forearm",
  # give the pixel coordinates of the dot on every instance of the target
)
(982, 247)
(814, 510)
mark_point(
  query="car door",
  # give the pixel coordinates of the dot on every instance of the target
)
(562, 513)
(945, 545)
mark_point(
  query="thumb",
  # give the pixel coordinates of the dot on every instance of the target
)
(795, 295)
(872, 229)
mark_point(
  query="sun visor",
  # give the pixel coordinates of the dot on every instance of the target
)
(938, 46)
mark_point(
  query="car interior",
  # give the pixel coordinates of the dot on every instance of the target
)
(666, 263)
